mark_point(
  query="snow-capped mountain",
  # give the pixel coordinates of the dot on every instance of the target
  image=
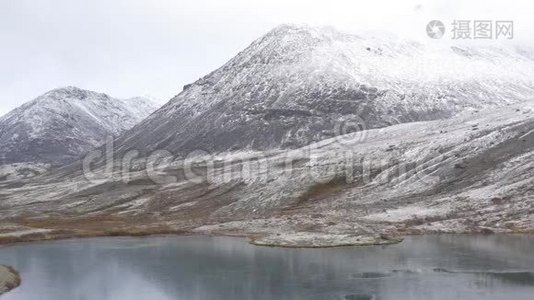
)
(65, 123)
(299, 84)
(469, 173)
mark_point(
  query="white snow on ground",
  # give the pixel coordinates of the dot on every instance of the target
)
(405, 213)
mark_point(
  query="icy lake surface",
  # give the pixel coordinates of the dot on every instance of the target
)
(427, 267)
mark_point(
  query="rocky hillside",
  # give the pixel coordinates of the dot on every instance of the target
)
(470, 173)
(297, 85)
(61, 125)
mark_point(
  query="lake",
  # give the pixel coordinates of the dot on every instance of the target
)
(199, 267)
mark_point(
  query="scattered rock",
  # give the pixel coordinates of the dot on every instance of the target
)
(460, 166)
(9, 279)
(320, 240)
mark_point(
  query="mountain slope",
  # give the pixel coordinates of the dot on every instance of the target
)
(298, 84)
(466, 174)
(64, 123)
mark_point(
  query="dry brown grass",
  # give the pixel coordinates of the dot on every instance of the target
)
(98, 226)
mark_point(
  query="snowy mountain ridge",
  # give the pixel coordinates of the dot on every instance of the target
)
(294, 86)
(62, 124)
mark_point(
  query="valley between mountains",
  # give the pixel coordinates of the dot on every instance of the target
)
(308, 138)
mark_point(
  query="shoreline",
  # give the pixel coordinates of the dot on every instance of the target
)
(23, 232)
(9, 279)
(308, 240)
(259, 241)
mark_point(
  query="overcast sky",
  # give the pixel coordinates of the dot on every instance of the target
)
(129, 48)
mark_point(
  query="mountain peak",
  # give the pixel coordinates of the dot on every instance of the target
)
(69, 88)
(303, 32)
(304, 29)
(290, 28)
(64, 123)
(297, 84)
(286, 44)
(72, 92)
